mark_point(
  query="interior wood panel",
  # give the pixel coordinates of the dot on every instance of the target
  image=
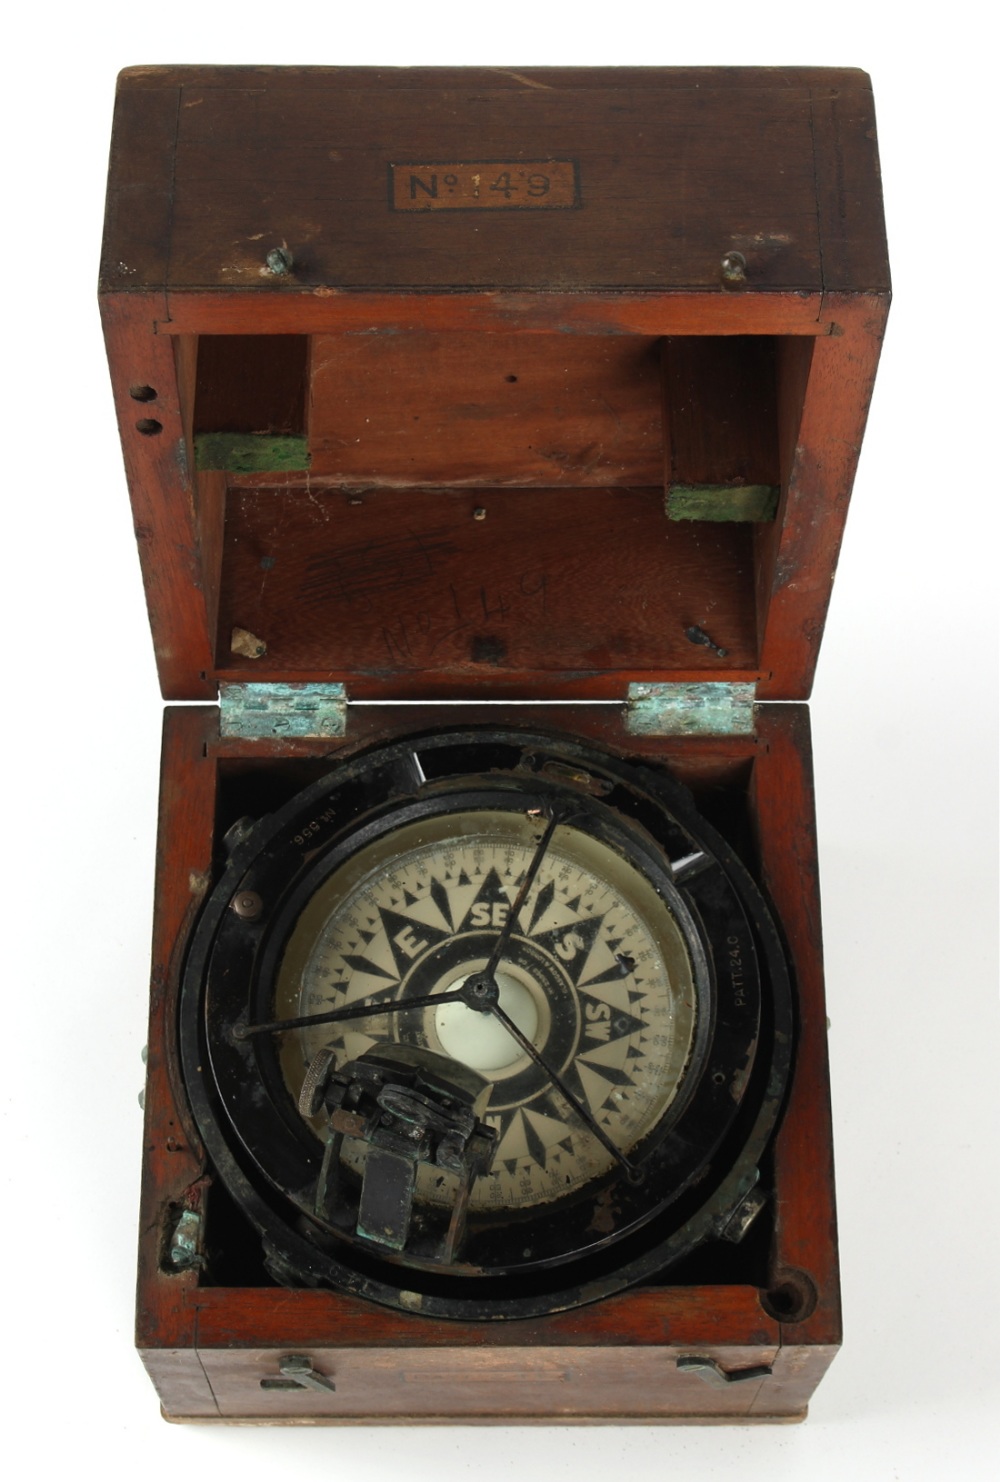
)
(556, 581)
(487, 409)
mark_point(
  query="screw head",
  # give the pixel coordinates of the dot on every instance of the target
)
(247, 905)
(279, 262)
(734, 268)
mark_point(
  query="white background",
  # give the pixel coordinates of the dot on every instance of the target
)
(904, 736)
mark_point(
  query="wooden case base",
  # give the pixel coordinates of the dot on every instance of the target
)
(208, 1347)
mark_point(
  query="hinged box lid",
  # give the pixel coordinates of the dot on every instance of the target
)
(464, 383)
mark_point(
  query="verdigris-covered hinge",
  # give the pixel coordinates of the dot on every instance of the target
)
(303, 711)
(712, 708)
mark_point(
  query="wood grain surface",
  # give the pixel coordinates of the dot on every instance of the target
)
(246, 160)
(457, 588)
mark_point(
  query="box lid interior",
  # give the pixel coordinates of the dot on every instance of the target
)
(600, 429)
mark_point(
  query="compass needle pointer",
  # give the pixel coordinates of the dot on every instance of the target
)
(522, 895)
(564, 1091)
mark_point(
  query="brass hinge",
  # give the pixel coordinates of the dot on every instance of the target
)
(712, 708)
(303, 711)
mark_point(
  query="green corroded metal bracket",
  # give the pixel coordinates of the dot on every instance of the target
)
(261, 711)
(251, 452)
(750, 503)
(712, 708)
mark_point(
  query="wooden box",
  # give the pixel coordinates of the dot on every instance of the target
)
(467, 386)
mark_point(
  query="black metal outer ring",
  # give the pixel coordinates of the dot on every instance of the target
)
(374, 785)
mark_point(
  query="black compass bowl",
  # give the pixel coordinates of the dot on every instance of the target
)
(704, 1166)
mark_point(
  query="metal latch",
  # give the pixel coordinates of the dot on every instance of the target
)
(713, 1372)
(710, 708)
(261, 711)
(296, 1372)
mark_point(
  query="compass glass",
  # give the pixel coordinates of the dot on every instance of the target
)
(597, 973)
